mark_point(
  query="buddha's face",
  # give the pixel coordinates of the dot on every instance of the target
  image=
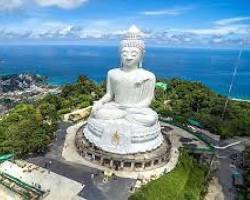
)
(131, 57)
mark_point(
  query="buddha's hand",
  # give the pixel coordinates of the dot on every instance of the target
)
(97, 105)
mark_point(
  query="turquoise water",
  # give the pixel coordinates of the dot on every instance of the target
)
(63, 64)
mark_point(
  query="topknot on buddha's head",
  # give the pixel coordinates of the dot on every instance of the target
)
(133, 39)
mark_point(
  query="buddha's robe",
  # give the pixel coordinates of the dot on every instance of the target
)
(131, 93)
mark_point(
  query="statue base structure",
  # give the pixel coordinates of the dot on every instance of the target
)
(121, 137)
(138, 162)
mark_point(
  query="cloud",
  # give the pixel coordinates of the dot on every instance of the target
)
(171, 37)
(234, 34)
(229, 21)
(222, 27)
(12, 34)
(170, 11)
(222, 30)
(9, 5)
(65, 4)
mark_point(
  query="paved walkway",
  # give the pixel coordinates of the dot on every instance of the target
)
(94, 189)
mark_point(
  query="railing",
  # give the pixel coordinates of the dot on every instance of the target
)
(199, 135)
(5, 157)
(25, 190)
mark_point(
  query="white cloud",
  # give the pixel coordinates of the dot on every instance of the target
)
(65, 4)
(53, 30)
(91, 35)
(170, 11)
(9, 5)
(66, 30)
(218, 30)
(217, 40)
(95, 30)
(225, 35)
(14, 34)
(229, 21)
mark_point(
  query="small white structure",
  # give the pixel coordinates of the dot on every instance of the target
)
(59, 187)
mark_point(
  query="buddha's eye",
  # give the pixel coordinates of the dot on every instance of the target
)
(134, 53)
(124, 53)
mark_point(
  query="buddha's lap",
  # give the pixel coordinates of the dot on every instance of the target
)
(110, 113)
(114, 107)
(142, 115)
(142, 111)
(147, 120)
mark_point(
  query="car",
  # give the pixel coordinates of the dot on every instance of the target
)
(193, 129)
(237, 179)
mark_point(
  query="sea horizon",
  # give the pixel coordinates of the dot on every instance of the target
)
(62, 64)
(117, 43)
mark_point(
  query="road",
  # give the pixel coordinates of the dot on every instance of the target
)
(94, 188)
(225, 168)
(224, 173)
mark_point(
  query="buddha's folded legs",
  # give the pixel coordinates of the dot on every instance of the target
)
(142, 116)
(110, 111)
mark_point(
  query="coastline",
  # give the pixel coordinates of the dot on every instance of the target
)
(60, 83)
(57, 83)
(26, 87)
(238, 99)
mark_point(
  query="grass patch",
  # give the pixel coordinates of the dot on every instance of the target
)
(185, 182)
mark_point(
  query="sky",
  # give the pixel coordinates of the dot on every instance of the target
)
(193, 23)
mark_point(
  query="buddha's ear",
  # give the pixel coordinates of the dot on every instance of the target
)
(140, 63)
(121, 63)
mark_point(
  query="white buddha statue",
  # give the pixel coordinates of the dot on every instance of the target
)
(121, 121)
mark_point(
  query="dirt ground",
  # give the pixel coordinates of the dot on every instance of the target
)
(214, 191)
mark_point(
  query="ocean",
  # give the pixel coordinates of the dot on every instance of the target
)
(64, 63)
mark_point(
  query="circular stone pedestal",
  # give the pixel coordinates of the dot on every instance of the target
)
(128, 162)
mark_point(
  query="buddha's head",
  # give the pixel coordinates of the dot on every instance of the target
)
(132, 49)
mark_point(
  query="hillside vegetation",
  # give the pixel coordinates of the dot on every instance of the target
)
(29, 128)
(185, 100)
(186, 181)
(24, 130)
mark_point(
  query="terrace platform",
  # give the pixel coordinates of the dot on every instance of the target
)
(128, 162)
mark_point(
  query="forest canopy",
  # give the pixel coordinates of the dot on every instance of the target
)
(29, 127)
(183, 100)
